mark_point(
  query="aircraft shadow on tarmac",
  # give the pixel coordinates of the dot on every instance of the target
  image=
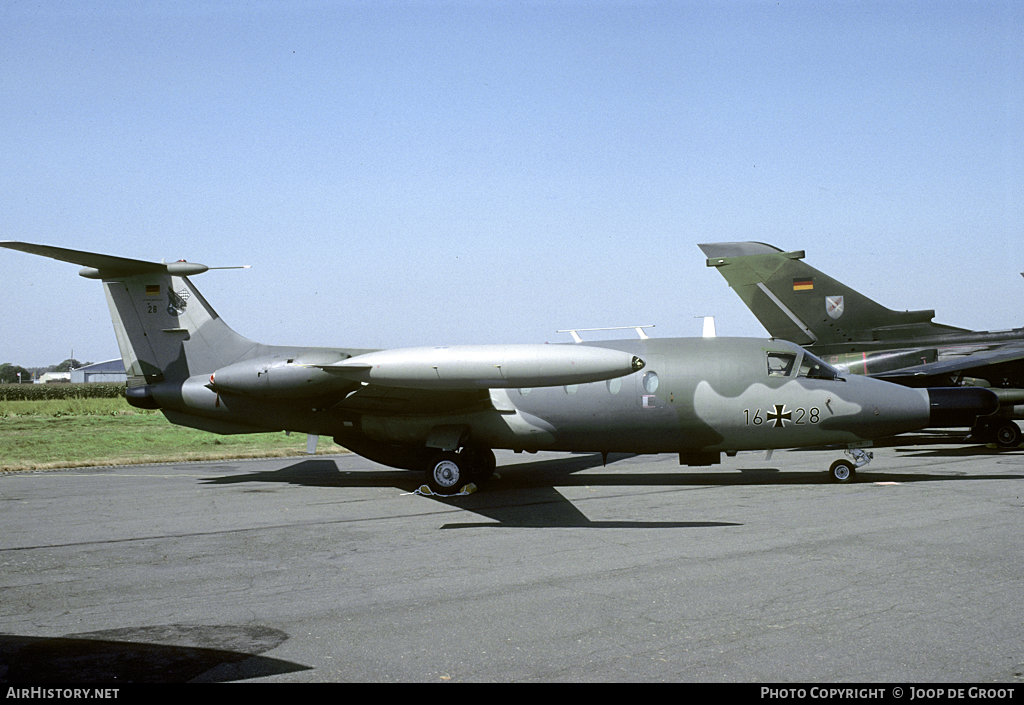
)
(945, 446)
(525, 495)
(159, 654)
(960, 451)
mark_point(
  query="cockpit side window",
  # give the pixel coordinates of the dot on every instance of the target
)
(780, 364)
(813, 368)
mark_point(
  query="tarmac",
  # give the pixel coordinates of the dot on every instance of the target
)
(561, 569)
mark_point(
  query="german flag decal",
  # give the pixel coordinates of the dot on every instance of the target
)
(152, 290)
(804, 284)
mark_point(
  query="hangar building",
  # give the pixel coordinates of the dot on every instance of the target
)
(109, 371)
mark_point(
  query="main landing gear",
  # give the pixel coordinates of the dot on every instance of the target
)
(845, 471)
(449, 471)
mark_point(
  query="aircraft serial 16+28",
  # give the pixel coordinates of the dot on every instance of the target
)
(443, 410)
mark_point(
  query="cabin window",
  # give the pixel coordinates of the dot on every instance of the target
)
(651, 382)
(780, 364)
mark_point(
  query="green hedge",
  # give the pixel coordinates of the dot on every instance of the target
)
(38, 392)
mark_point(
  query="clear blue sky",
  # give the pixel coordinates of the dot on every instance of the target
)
(420, 173)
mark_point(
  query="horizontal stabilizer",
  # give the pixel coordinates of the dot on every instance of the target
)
(118, 266)
(96, 266)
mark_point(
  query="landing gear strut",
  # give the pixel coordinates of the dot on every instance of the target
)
(845, 471)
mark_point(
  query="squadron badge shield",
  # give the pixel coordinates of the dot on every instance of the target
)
(176, 303)
(834, 306)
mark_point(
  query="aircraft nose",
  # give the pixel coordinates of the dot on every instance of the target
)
(889, 409)
(882, 408)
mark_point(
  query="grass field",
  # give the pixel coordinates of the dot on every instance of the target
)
(40, 435)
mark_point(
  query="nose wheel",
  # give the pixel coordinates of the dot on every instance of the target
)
(842, 471)
(845, 471)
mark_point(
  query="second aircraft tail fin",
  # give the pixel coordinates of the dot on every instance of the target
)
(799, 303)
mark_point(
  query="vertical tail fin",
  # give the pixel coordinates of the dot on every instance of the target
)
(165, 329)
(799, 303)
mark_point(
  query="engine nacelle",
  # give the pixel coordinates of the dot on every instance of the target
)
(488, 366)
(281, 376)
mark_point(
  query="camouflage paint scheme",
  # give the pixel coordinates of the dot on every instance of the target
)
(797, 302)
(696, 397)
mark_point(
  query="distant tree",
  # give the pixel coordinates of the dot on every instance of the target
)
(9, 374)
(67, 365)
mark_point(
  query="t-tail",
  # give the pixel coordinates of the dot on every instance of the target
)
(799, 303)
(183, 359)
(166, 330)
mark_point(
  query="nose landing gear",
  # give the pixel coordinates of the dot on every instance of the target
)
(845, 471)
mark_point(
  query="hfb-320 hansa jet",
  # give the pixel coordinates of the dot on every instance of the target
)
(442, 410)
(797, 302)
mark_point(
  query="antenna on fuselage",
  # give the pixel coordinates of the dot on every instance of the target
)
(709, 326)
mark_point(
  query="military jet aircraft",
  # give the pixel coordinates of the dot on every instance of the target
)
(442, 410)
(797, 302)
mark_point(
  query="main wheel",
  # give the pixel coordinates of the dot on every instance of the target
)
(481, 462)
(842, 471)
(446, 473)
(1008, 435)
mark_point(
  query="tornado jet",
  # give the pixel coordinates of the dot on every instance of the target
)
(443, 410)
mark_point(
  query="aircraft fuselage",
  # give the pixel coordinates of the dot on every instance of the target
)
(693, 396)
